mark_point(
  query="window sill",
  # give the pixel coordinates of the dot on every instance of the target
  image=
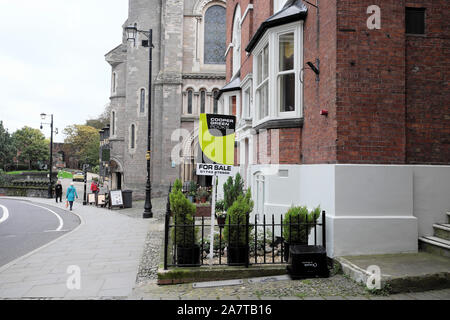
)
(280, 123)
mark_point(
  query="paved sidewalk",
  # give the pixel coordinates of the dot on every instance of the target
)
(107, 247)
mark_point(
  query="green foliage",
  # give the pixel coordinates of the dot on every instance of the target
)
(65, 175)
(84, 142)
(232, 190)
(237, 215)
(295, 229)
(183, 210)
(177, 186)
(220, 206)
(218, 243)
(192, 189)
(31, 146)
(7, 148)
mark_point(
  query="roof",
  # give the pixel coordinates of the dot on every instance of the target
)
(294, 10)
(233, 85)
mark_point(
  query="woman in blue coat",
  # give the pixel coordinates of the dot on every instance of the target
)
(71, 194)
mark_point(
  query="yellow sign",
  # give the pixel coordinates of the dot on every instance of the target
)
(217, 135)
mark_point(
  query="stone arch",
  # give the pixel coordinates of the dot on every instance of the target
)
(201, 4)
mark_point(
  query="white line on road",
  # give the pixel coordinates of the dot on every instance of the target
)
(5, 215)
(61, 223)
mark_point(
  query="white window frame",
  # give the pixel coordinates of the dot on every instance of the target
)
(236, 40)
(271, 38)
(247, 101)
(224, 102)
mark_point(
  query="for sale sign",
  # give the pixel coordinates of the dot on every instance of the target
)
(204, 169)
(217, 135)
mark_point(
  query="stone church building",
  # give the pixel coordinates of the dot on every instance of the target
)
(189, 39)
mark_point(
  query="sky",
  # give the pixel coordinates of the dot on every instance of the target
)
(52, 60)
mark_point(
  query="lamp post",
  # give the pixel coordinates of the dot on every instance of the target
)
(85, 167)
(50, 184)
(132, 31)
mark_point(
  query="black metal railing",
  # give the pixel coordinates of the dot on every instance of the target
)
(244, 243)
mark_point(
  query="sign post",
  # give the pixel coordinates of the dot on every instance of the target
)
(217, 136)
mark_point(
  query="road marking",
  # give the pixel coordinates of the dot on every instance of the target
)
(5, 215)
(61, 223)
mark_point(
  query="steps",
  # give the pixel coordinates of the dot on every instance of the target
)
(439, 243)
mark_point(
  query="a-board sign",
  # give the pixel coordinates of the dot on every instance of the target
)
(204, 169)
(116, 198)
(101, 199)
(91, 198)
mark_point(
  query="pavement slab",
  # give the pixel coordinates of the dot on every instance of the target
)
(107, 248)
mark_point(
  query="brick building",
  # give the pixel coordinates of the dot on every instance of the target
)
(344, 104)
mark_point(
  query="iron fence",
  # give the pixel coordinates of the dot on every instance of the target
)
(246, 242)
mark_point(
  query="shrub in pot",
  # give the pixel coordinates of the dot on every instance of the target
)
(236, 230)
(221, 215)
(184, 233)
(232, 189)
(203, 195)
(295, 226)
(192, 191)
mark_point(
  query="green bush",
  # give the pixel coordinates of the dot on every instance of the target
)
(237, 215)
(184, 235)
(192, 189)
(232, 189)
(220, 206)
(295, 228)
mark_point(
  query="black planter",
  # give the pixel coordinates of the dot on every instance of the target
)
(237, 256)
(286, 248)
(221, 221)
(188, 257)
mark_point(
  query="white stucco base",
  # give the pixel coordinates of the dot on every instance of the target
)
(371, 209)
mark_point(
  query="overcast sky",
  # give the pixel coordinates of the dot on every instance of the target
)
(52, 60)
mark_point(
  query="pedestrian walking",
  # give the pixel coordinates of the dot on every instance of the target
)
(58, 191)
(95, 190)
(71, 194)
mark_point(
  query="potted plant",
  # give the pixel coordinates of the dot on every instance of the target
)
(297, 225)
(184, 232)
(221, 214)
(192, 191)
(236, 230)
(203, 195)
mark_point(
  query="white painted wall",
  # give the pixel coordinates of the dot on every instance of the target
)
(371, 209)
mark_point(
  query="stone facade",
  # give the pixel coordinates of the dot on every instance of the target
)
(179, 76)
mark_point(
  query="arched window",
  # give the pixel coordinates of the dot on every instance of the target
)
(237, 40)
(142, 100)
(202, 101)
(113, 123)
(215, 102)
(114, 80)
(189, 101)
(215, 35)
(133, 137)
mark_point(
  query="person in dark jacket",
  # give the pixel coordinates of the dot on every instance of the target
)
(58, 191)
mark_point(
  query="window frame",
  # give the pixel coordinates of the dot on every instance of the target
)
(142, 102)
(204, 35)
(272, 39)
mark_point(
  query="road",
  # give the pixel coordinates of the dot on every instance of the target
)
(26, 226)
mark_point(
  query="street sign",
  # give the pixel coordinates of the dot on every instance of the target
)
(204, 169)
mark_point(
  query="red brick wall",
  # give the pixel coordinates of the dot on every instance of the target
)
(371, 84)
(319, 132)
(278, 146)
(427, 86)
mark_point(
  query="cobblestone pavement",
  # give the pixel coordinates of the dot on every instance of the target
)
(335, 288)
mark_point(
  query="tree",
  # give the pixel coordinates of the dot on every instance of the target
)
(7, 147)
(84, 142)
(31, 145)
(102, 120)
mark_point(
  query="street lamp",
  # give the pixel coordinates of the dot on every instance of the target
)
(132, 32)
(50, 184)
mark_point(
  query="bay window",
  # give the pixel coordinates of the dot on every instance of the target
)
(278, 58)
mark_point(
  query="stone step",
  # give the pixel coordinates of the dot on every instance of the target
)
(442, 230)
(435, 245)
